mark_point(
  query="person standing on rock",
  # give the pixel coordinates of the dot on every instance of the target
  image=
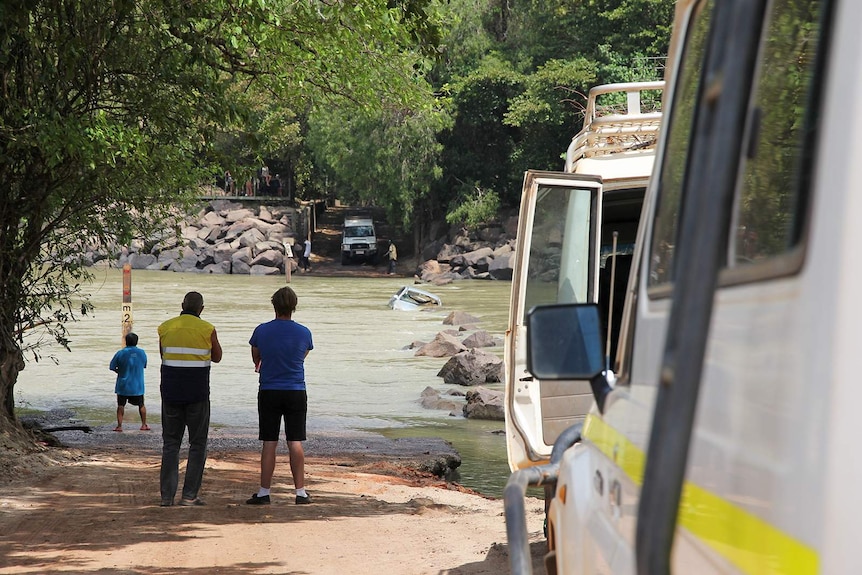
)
(129, 363)
(306, 255)
(188, 345)
(278, 349)
(392, 254)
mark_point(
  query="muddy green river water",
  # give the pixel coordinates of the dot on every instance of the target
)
(359, 375)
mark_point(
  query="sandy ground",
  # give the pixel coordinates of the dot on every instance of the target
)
(95, 509)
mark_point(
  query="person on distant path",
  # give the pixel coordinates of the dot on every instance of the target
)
(228, 183)
(129, 363)
(306, 254)
(188, 345)
(278, 350)
(392, 254)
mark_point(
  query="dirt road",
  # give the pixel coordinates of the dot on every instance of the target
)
(97, 511)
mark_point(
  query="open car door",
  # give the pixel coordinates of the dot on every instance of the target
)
(556, 261)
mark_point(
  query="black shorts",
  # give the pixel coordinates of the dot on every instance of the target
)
(133, 399)
(275, 405)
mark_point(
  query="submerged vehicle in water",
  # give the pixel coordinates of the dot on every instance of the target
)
(410, 298)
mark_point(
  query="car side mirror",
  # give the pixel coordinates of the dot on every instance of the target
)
(564, 342)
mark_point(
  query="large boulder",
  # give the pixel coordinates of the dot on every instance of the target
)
(197, 244)
(459, 318)
(240, 267)
(241, 255)
(506, 248)
(212, 219)
(189, 232)
(251, 237)
(141, 261)
(223, 253)
(237, 229)
(261, 247)
(264, 214)
(270, 258)
(433, 399)
(447, 252)
(472, 367)
(210, 234)
(443, 345)
(177, 260)
(480, 338)
(502, 267)
(259, 270)
(477, 257)
(220, 268)
(238, 215)
(483, 263)
(484, 403)
(261, 225)
(432, 269)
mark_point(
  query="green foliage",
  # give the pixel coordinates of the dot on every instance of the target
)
(522, 100)
(616, 67)
(479, 145)
(549, 112)
(464, 43)
(386, 157)
(512, 78)
(112, 110)
(476, 207)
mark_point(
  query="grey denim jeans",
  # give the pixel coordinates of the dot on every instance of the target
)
(176, 417)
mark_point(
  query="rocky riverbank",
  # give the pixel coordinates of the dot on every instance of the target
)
(223, 238)
(487, 253)
(228, 237)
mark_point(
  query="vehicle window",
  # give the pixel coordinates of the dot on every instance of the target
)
(358, 231)
(768, 206)
(560, 247)
(680, 126)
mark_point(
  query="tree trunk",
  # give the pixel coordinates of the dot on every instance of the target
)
(11, 364)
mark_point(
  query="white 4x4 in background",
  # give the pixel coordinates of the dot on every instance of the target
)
(358, 240)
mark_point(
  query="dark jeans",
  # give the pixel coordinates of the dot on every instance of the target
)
(176, 417)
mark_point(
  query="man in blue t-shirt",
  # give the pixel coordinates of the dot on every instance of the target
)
(129, 363)
(278, 350)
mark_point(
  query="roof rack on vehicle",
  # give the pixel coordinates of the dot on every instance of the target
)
(611, 130)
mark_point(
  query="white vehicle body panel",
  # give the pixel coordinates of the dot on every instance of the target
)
(774, 459)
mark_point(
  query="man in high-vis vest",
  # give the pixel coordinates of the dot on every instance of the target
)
(187, 345)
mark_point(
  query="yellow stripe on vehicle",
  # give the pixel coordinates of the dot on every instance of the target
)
(753, 545)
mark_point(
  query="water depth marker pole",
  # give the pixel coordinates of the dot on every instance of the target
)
(288, 260)
(127, 318)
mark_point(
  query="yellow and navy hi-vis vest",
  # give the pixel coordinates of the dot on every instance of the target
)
(186, 343)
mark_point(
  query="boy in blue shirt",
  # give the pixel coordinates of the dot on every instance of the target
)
(129, 363)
